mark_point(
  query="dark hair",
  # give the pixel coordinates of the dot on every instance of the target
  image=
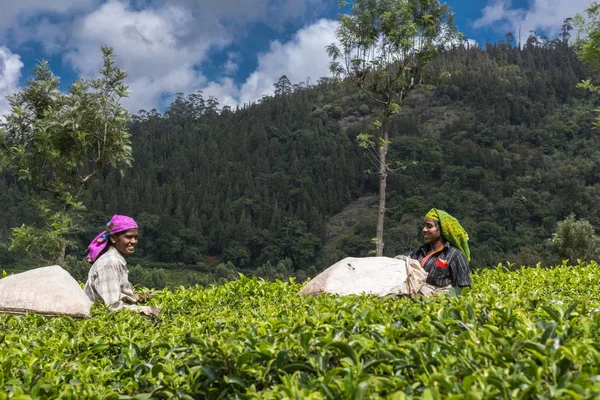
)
(439, 226)
(119, 233)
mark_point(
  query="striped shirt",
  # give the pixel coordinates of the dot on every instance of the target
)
(108, 281)
(446, 267)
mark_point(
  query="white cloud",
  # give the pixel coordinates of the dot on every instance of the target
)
(163, 48)
(231, 66)
(54, 36)
(544, 16)
(11, 10)
(46, 22)
(272, 12)
(10, 73)
(497, 12)
(148, 45)
(301, 57)
(165, 45)
(226, 91)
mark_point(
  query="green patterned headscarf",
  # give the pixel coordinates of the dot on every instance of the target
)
(452, 231)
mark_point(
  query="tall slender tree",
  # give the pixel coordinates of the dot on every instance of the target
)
(383, 48)
(588, 46)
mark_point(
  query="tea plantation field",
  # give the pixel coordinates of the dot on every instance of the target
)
(530, 334)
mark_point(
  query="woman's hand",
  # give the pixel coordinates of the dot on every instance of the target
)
(143, 297)
(155, 310)
(150, 311)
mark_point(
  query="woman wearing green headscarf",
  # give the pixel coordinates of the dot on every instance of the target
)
(445, 255)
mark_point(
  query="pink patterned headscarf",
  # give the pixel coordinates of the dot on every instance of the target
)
(118, 223)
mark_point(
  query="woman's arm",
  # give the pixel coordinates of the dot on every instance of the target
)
(115, 291)
(459, 270)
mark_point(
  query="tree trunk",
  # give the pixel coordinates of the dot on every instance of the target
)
(60, 257)
(382, 184)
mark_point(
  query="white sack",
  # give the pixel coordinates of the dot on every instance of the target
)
(381, 276)
(47, 291)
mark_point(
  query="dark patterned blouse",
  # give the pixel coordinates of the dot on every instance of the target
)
(449, 266)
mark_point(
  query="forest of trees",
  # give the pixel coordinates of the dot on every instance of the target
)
(506, 143)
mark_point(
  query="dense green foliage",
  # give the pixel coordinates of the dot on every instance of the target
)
(54, 143)
(575, 240)
(507, 144)
(527, 334)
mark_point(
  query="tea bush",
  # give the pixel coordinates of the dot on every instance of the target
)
(530, 333)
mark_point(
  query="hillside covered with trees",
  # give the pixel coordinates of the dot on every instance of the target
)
(505, 142)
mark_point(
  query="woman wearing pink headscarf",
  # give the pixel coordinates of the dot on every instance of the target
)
(108, 277)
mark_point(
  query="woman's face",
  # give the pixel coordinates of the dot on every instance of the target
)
(431, 231)
(125, 242)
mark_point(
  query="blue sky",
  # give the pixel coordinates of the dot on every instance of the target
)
(231, 49)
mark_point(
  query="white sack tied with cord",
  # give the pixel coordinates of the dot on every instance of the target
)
(380, 276)
(47, 291)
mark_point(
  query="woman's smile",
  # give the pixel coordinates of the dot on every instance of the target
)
(126, 242)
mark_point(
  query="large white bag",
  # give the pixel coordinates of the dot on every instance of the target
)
(47, 291)
(381, 276)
